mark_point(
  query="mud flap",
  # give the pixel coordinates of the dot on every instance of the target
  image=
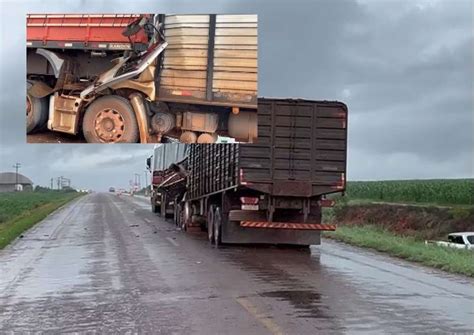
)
(38, 89)
(233, 233)
(54, 60)
(137, 103)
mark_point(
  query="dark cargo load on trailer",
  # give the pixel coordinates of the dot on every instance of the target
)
(301, 152)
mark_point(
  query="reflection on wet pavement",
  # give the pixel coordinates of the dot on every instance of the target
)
(107, 264)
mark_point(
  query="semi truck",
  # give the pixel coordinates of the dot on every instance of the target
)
(124, 78)
(271, 191)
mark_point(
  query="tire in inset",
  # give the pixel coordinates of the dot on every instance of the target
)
(36, 113)
(110, 119)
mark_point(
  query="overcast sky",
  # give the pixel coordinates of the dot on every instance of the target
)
(404, 68)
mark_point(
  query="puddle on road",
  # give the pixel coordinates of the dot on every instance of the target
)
(60, 272)
(306, 302)
(272, 267)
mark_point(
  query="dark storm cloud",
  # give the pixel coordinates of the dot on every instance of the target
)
(404, 68)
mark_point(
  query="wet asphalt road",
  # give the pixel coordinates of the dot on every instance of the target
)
(105, 263)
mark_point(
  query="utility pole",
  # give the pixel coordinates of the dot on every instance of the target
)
(16, 166)
(146, 182)
(52, 180)
(137, 181)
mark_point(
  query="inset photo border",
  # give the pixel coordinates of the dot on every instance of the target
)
(141, 78)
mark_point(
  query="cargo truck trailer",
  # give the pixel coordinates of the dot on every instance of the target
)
(268, 192)
(143, 78)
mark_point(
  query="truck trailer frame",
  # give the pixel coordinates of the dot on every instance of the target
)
(268, 192)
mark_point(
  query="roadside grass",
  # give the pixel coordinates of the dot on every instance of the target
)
(408, 248)
(354, 201)
(435, 192)
(21, 211)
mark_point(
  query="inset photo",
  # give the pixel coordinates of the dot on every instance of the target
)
(141, 78)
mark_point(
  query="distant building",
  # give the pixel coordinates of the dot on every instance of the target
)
(8, 182)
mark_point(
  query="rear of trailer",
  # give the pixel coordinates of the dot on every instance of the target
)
(271, 191)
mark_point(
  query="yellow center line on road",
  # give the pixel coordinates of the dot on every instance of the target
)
(263, 319)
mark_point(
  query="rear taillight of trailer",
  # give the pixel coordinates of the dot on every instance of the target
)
(341, 183)
(249, 203)
(241, 175)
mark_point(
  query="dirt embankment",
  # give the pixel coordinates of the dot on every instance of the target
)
(420, 222)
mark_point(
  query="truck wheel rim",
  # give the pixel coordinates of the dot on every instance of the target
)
(109, 125)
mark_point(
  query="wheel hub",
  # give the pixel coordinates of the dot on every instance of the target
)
(109, 125)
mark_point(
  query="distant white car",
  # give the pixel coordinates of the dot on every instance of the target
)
(464, 240)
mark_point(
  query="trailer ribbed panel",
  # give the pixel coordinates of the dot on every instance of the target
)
(299, 141)
(210, 58)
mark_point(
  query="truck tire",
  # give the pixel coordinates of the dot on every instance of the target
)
(163, 206)
(110, 119)
(177, 213)
(36, 113)
(218, 227)
(187, 215)
(210, 223)
(154, 207)
(180, 219)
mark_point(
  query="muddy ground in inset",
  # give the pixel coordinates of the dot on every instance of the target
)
(54, 137)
